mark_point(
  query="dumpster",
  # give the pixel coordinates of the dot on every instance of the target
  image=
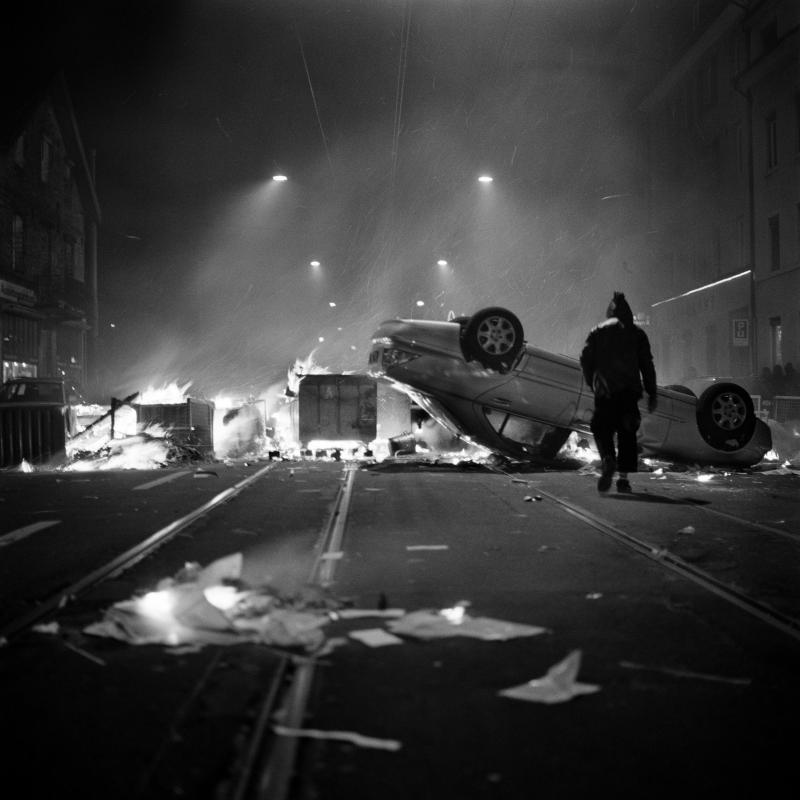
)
(335, 408)
(35, 421)
(190, 423)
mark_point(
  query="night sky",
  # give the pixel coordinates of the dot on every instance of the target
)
(382, 113)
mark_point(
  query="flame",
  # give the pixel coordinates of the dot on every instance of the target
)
(168, 393)
(301, 368)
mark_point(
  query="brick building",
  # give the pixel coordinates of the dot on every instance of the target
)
(49, 218)
(723, 136)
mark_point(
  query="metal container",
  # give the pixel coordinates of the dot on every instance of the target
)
(335, 408)
(31, 432)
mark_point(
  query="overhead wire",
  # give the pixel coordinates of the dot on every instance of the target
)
(402, 69)
(314, 99)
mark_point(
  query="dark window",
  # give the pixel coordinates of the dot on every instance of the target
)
(19, 151)
(769, 35)
(775, 242)
(47, 157)
(797, 121)
(772, 141)
(17, 244)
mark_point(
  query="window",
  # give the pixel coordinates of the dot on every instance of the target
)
(19, 151)
(17, 244)
(741, 241)
(797, 215)
(739, 150)
(775, 242)
(707, 84)
(776, 340)
(772, 141)
(47, 157)
(711, 350)
(769, 35)
(78, 262)
(797, 121)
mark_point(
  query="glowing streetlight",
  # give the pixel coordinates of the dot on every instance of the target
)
(441, 262)
(314, 263)
(420, 303)
(279, 178)
(332, 304)
(320, 339)
(485, 179)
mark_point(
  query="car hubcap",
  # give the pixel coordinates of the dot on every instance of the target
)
(728, 411)
(496, 335)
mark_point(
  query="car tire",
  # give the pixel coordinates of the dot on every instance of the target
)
(493, 337)
(726, 416)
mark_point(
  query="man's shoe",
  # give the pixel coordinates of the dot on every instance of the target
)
(624, 486)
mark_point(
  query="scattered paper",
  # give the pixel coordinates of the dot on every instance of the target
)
(344, 736)
(375, 637)
(47, 627)
(557, 686)
(359, 613)
(211, 606)
(427, 547)
(437, 625)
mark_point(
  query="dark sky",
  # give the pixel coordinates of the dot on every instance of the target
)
(383, 113)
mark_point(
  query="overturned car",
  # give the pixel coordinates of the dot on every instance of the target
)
(479, 378)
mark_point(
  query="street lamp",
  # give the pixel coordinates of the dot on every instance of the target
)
(279, 178)
(485, 179)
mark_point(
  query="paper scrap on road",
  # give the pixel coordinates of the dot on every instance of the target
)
(427, 547)
(557, 686)
(344, 736)
(436, 625)
(212, 605)
(359, 613)
(375, 637)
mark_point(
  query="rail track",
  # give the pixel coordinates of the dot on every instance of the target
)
(265, 760)
(672, 562)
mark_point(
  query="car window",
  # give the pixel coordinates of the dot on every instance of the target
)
(518, 429)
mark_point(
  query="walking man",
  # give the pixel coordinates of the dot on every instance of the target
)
(617, 363)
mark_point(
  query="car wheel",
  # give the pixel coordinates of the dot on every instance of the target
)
(493, 338)
(725, 416)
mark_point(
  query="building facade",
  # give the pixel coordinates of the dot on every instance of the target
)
(49, 220)
(723, 134)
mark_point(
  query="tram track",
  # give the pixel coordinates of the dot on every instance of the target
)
(121, 563)
(267, 767)
(674, 563)
(263, 763)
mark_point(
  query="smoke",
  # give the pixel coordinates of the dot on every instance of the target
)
(382, 162)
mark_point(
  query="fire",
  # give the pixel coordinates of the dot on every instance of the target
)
(169, 393)
(301, 368)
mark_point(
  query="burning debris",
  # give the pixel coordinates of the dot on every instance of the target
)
(212, 605)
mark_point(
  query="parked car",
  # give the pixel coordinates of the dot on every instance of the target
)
(478, 377)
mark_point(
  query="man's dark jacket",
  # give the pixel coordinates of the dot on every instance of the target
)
(616, 359)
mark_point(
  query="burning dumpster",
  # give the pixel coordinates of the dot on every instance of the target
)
(334, 409)
(190, 423)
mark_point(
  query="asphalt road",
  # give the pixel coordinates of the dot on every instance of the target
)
(696, 689)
